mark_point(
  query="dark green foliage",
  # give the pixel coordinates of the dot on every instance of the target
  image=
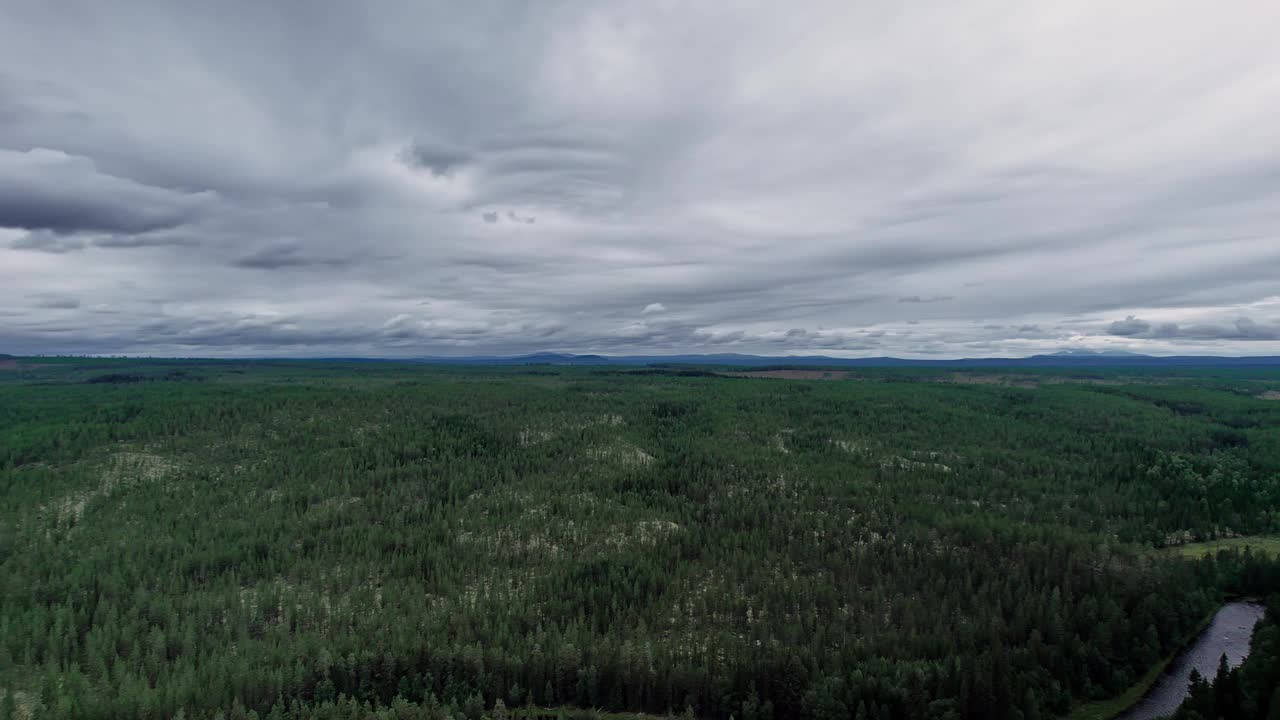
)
(116, 378)
(327, 540)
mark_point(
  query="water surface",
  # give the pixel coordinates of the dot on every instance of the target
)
(1230, 632)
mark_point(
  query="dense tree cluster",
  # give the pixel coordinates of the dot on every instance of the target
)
(332, 541)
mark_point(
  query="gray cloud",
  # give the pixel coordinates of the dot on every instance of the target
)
(437, 160)
(276, 257)
(1129, 326)
(930, 299)
(510, 178)
(148, 240)
(48, 242)
(1241, 328)
(55, 302)
(492, 216)
(49, 190)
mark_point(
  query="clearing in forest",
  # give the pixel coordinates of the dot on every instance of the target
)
(123, 467)
(622, 453)
(1266, 544)
(1006, 380)
(793, 374)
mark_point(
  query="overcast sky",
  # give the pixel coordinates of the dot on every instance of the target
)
(852, 178)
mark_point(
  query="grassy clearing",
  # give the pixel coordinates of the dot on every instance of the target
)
(1110, 708)
(1268, 544)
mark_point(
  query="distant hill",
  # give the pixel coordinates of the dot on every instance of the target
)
(1077, 352)
(1064, 358)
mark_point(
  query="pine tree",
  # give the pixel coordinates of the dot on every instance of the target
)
(1273, 710)
(751, 706)
(473, 707)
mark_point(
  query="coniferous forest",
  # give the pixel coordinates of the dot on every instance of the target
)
(348, 540)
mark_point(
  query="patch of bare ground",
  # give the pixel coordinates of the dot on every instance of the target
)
(1091, 381)
(123, 467)
(621, 453)
(851, 446)
(901, 463)
(779, 441)
(9, 364)
(1270, 395)
(22, 703)
(1007, 380)
(644, 532)
(530, 436)
(792, 374)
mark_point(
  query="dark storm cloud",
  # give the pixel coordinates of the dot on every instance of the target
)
(429, 177)
(48, 190)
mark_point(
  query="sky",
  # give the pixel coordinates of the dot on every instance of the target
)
(851, 179)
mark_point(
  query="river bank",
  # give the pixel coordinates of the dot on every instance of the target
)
(1230, 633)
(1165, 684)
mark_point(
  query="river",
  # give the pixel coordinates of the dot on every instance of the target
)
(1230, 632)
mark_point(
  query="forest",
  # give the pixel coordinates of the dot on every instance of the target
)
(329, 539)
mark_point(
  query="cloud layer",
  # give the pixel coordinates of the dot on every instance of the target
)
(433, 178)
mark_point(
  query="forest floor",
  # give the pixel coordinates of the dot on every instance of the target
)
(21, 703)
(1268, 544)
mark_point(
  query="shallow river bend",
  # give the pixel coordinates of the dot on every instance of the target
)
(1230, 632)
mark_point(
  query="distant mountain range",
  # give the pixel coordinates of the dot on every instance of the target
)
(1063, 358)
